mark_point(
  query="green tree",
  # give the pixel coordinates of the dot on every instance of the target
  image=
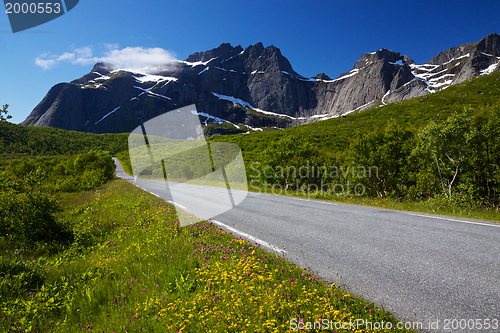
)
(283, 161)
(388, 152)
(448, 146)
(27, 216)
(485, 165)
(4, 111)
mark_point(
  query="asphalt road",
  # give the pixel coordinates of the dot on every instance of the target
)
(422, 268)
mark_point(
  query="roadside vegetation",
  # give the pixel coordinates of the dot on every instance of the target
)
(28, 194)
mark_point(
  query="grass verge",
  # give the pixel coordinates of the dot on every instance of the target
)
(132, 268)
(437, 205)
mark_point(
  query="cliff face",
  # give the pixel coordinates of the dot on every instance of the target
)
(254, 87)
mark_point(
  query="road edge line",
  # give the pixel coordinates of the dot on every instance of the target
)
(250, 237)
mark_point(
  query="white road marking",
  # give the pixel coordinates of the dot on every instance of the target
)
(317, 201)
(453, 220)
(295, 198)
(253, 239)
(243, 234)
(176, 204)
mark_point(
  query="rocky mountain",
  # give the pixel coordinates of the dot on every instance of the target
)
(238, 90)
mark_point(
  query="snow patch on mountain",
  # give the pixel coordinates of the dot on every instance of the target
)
(453, 59)
(107, 115)
(351, 73)
(435, 80)
(102, 77)
(93, 83)
(198, 63)
(237, 101)
(203, 71)
(359, 108)
(222, 69)
(256, 129)
(490, 69)
(148, 91)
(143, 78)
(328, 116)
(217, 120)
(383, 98)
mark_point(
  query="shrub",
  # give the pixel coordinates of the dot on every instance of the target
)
(30, 217)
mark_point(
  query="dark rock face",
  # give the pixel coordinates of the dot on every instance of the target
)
(224, 51)
(322, 76)
(450, 67)
(489, 44)
(255, 87)
(104, 68)
(412, 89)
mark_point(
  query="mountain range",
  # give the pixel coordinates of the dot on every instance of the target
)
(239, 90)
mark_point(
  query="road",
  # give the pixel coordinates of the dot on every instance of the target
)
(422, 268)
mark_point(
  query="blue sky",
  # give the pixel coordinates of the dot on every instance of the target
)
(316, 36)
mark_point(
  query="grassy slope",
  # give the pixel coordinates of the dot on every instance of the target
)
(53, 141)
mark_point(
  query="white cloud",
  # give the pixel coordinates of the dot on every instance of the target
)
(45, 64)
(130, 58)
(84, 52)
(138, 57)
(113, 46)
(66, 57)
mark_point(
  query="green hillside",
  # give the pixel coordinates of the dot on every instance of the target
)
(47, 141)
(334, 136)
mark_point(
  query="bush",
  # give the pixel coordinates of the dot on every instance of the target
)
(28, 207)
(91, 169)
(30, 217)
(17, 276)
(81, 172)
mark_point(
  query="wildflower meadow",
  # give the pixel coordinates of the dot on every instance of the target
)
(130, 267)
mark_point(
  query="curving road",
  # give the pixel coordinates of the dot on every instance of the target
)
(437, 271)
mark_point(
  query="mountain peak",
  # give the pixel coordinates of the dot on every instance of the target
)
(103, 68)
(490, 45)
(266, 59)
(223, 52)
(322, 76)
(388, 55)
